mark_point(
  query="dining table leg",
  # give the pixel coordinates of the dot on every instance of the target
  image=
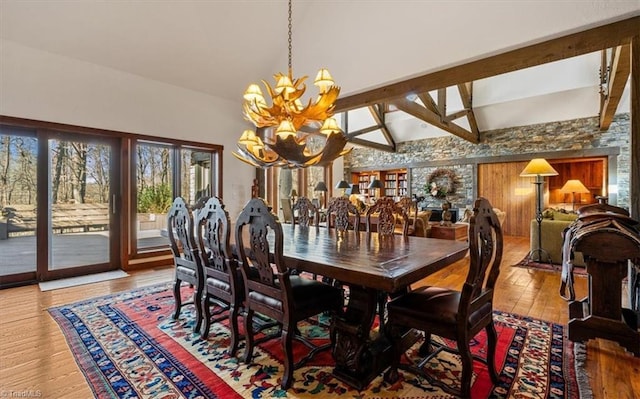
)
(360, 352)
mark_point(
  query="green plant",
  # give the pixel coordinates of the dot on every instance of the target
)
(154, 199)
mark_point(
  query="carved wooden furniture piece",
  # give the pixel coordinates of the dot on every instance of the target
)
(456, 315)
(387, 212)
(305, 213)
(370, 265)
(342, 215)
(410, 206)
(273, 291)
(222, 279)
(186, 257)
(608, 240)
(454, 232)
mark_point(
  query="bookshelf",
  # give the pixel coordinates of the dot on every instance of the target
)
(395, 182)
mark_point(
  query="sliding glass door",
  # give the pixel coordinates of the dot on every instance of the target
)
(18, 188)
(81, 202)
(57, 204)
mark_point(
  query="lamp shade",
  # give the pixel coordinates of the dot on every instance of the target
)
(355, 189)
(321, 187)
(574, 186)
(538, 167)
(342, 184)
(294, 193)
(375, 183)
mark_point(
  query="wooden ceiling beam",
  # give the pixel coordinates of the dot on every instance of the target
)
(466, 95)
(442, 103)
(428, 102)
(619, 71)
(432, 118)
(362, 131)
(588, 41)
(371, 144)
(378, 115)
(457, 115)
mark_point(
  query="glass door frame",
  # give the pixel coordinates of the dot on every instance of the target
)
(43, 230)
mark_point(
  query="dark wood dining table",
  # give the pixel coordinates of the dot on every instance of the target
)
(372, 267)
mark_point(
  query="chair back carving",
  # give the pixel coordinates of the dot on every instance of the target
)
(339, 213)
(387, 213)
(410, 206)
(308, 213)
(186, 256)
(180, 230)
(485, 252)
(213, 234)
(253, 226)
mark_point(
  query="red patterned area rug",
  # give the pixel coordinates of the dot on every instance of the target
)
(128, 346)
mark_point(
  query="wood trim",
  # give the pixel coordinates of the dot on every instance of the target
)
(634, 136)
(37, 124)
(18, 279)
(618, 76)
(587, 41)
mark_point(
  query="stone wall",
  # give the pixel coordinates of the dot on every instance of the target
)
(424, 156)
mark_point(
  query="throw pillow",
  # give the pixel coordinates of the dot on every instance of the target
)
(547, 213)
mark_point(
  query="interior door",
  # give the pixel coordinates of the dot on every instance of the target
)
(78, 206)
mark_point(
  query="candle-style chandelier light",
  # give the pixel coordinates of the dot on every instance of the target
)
(289, 146)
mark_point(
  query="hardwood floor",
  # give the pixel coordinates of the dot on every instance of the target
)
(35, 359)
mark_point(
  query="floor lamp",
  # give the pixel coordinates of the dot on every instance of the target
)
(322, 187)
(538, 168)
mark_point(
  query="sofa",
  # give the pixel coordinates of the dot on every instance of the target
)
(554, 221)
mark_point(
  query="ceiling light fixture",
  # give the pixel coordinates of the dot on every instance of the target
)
(288, 146)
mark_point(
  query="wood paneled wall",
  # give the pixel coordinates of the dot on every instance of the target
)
(502, 185)
(592, 172)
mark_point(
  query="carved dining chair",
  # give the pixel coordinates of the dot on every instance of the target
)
(386, 217)
(410, 206)
(339, 214)
(186, 257)
(223, 287)
(273, 291)
(307, 213)
(456, 315)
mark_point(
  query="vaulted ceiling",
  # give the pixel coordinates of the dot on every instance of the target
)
(219, 47)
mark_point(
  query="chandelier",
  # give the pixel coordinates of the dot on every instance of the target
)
(296, 139)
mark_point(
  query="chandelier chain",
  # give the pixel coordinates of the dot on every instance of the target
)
(290, 63)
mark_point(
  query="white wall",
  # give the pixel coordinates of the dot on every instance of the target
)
(43, 86)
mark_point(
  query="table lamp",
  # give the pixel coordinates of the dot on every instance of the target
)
(574, 187)
(343, 185)
(376, 184)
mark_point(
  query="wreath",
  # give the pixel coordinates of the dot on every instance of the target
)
(442, 182)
